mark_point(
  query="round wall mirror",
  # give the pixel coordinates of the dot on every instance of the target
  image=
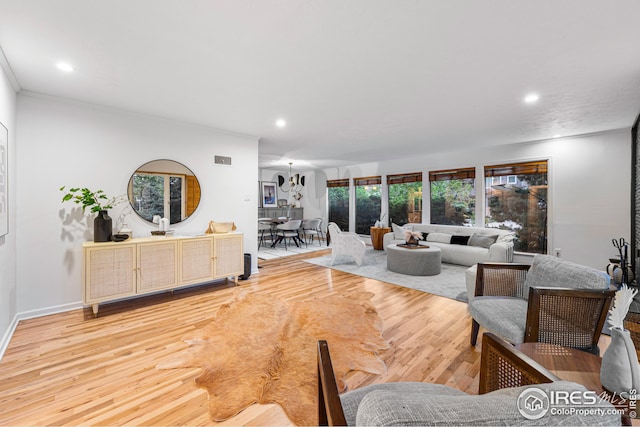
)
(165, 188)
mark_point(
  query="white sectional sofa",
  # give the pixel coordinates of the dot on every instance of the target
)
(460, 245)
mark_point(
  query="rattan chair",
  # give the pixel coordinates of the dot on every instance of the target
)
(502, 368)
(632, 324)
(538, 310)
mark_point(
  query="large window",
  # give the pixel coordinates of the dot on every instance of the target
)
(339, 202)
(405, 198)
(516, 199)
(368, 202)
(453, 196)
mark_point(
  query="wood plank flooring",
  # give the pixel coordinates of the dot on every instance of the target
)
(74, 369)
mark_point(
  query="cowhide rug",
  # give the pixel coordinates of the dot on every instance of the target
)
(260, 349)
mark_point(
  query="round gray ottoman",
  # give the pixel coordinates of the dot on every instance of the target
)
(414, 262)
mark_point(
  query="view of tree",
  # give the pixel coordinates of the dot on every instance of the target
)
(339, 207)
(405, 203)
(368, 206)
(522, 208)
(175, 197)
(453, 202)
(148, 194)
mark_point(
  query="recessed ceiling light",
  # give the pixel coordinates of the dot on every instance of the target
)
(281, 123)
(65, 66)
(557, 135)
(531, 98)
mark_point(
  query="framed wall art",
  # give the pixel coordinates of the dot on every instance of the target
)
(4, 186)
(269, 194)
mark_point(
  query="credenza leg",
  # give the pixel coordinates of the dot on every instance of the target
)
(95, 309)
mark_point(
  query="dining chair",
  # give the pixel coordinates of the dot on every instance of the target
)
(320, 230)
(289, 230)
(310, 228)
(265, 225)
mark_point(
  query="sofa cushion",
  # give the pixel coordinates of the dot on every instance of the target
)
(482, 240)
(549, 271)
(506, 316)
(439, 237)
(459, 240)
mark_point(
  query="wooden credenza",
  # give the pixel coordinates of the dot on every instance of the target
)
(115, 270)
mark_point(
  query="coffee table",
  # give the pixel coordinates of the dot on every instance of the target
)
(424, 261)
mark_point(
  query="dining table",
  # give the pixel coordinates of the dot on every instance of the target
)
(274, 224)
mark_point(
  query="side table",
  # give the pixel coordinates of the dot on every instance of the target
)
(377, 233)
(577, 366)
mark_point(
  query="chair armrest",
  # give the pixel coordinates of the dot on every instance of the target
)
(501, 279)
(330, 412)
(504, 366)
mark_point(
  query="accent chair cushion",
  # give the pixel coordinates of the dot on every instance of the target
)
(550, 271)
(420, 404)
(505, 316)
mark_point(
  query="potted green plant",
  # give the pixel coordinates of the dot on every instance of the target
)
(97, 202)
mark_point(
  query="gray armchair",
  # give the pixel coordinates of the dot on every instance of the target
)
(504, 374)
(552, 301)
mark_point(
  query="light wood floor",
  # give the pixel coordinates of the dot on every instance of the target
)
(74, 369)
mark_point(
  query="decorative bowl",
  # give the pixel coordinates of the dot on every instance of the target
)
(222, 227)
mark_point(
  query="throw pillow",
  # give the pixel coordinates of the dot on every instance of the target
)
(459, 240)
(398, 232)
(424, 235)
(439, 237)
(482, 240)
(507, 237)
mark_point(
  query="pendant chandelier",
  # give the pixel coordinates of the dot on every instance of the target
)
(295, 183)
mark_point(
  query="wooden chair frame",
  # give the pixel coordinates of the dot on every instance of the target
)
(330, 412)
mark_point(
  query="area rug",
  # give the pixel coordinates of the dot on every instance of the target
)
(260, 349)
(267, 253)
(449, 283)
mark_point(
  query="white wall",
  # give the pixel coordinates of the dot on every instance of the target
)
(8, 291)
(67, 143)
(590, 187)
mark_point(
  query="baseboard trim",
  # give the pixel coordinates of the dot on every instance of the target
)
(7, 335)
(30, 315)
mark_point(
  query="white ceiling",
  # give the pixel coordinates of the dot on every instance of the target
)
(357, 80)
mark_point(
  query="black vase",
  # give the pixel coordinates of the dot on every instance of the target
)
(102, 227)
